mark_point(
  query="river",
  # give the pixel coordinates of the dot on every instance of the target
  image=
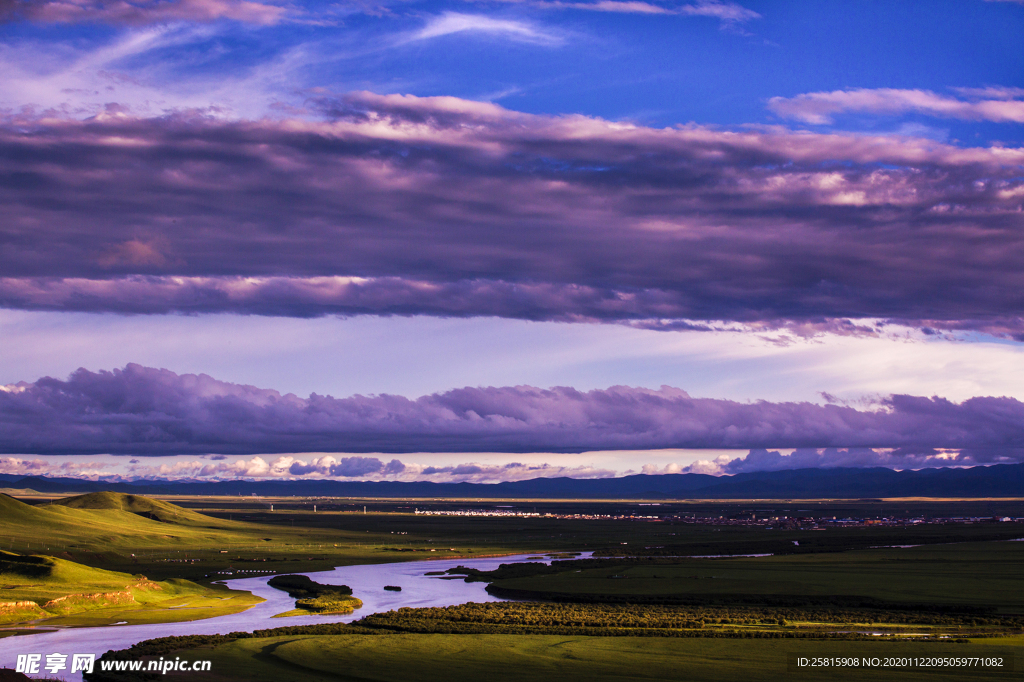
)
(367, 583)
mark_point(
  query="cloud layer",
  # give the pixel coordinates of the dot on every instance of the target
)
(138, 12)
(761, 459)
(440, 206)
(138, 410)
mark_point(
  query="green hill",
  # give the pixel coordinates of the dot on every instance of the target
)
(146, 507)
(12, 510)
(59, 591)
(52, 577)
(137, 534)
(111, 522)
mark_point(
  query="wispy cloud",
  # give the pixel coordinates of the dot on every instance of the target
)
(726, 12)
(615, 6)
(451, 23)
(145, 411)
(138, 70)
(1000, 105)
(991, 92)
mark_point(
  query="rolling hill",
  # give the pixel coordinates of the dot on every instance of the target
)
(146, 507)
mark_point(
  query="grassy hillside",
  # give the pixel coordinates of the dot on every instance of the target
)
(135, 534)
(63, 592)
(105, 519)
(146, 507)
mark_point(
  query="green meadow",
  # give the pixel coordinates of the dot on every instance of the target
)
(44, 583)
(973, 575)
(527, 658)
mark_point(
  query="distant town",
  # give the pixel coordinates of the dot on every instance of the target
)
(742, 519)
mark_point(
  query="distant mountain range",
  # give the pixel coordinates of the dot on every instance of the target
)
(1001, 480)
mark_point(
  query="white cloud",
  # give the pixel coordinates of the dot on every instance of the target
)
(820, 107)
(727, 12)
(352, 468)
(78, 79)
(26, 467)
(451, 23)
(617, 6)
(991, 92)
(86, 467)
(712, 467)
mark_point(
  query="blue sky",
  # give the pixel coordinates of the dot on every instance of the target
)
(551, 58)
(758, 201)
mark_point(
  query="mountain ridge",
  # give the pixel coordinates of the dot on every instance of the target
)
(999, 480)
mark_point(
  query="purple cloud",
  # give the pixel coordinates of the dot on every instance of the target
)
(393, 468)
(357, 466)
(136, 12)
(901, 458)
(347, 467)
(145, 411)
(397, 205)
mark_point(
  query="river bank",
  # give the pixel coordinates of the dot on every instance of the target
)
(367, 582)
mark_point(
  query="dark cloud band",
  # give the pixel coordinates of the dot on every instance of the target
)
(138, 410)
(439, 206)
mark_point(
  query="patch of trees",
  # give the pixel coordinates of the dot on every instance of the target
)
(773, 600)
(653, 620)
(527, 569)
(314, 597)
(302, 587)
(329, 603)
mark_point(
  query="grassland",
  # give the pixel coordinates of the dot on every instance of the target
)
(980, 576)
(619, 619)
(526, 658)
(720, 619)
(162, 540)
(61, 592)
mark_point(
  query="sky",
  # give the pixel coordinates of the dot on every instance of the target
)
(494, 240)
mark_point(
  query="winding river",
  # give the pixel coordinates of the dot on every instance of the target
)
(367, 583)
